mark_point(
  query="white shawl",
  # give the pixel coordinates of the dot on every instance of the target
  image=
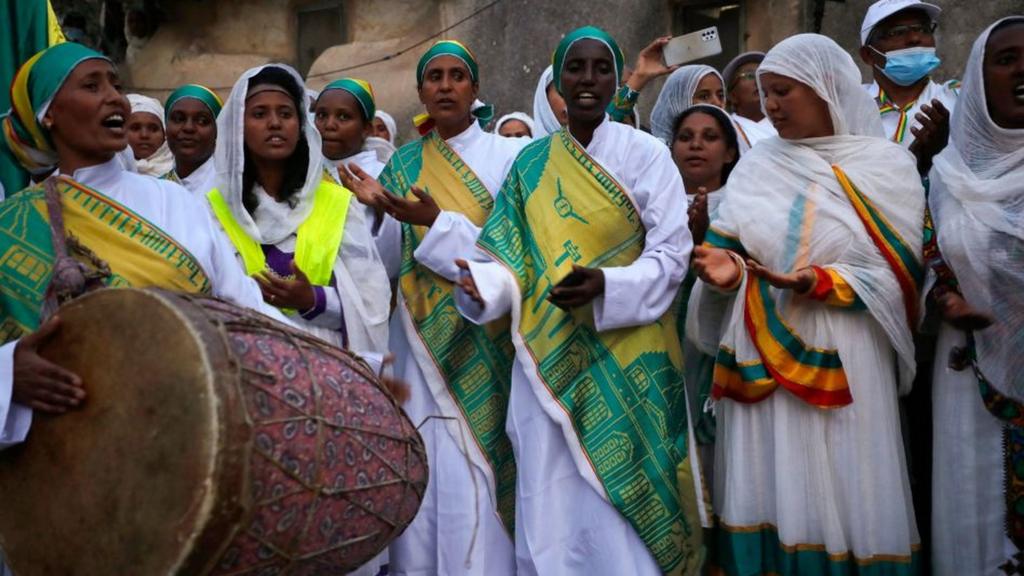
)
(676, 97)
(977, 203)
(786, 206)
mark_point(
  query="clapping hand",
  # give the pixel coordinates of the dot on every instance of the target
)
(421, 212)
(296, 294)
(800, 281)
(933, 135)
(716, 267)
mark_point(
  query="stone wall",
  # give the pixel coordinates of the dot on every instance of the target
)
(213, 41)
(513, 40)
(210, 43)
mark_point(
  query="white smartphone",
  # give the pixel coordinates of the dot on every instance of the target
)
(693, 46)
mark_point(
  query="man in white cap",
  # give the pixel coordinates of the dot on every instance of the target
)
(898, 42)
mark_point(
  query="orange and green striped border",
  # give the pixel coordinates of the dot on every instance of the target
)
(902, 260)
(748, 382)
(814, 375)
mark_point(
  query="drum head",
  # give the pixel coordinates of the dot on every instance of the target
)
(122, 485)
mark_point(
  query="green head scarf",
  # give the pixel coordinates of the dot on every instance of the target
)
(482, 112)
(360, 89)
(33, 88)
(448, 48)
(587, 32)
(197, 92)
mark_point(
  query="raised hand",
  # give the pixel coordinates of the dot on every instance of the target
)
(39, 383)
(420, 212)
(698, 215)
(366, 189)
(650, 64)
(297, 294)
(933, 135)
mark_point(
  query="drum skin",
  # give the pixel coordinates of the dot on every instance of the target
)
(213, 441)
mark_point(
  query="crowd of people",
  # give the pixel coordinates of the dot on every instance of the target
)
(674, 351)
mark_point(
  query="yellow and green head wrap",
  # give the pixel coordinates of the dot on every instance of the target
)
(33, 88)
(587, 32)
(361, 90)
(448, 48)
(484, 113)
(196, 92)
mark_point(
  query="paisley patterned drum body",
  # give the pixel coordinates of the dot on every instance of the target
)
(213, 441)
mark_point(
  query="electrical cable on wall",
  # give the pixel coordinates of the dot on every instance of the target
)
(384, 58)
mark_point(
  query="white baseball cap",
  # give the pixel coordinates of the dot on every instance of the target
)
(884, 8)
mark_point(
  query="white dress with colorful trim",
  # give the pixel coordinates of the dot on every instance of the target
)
(810, 472)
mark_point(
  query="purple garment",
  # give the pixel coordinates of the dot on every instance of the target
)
(281, 263)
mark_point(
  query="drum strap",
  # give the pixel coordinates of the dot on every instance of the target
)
(318, 238)
(70, 277)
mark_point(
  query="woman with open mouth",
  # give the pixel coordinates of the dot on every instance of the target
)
(302, 236)
(436, 192)
(69, 118)
(586, 248)
(192, 135)
(977, 203)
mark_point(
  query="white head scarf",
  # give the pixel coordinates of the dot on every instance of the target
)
(818, 62)
(381, 147)
(676, 97)
(162, 161)
(522, 117)
(543, 115)
(273, 221)
(988, 149)
(310, 103)
(779, 179)
(977, 203)
(389, 122)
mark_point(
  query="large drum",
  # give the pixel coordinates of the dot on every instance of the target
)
(213, 441)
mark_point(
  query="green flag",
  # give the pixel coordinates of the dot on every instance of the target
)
(26, 27)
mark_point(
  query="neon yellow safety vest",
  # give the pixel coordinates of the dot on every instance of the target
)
(318, 237)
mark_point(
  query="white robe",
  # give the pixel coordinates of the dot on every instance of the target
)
(200, 181)
(457, 530)
(967, 470)
(368, 162)
(565, 524)
(174, 211)
(749, 132)
(945, 93)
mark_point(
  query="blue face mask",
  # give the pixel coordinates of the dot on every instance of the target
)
(905, 67)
